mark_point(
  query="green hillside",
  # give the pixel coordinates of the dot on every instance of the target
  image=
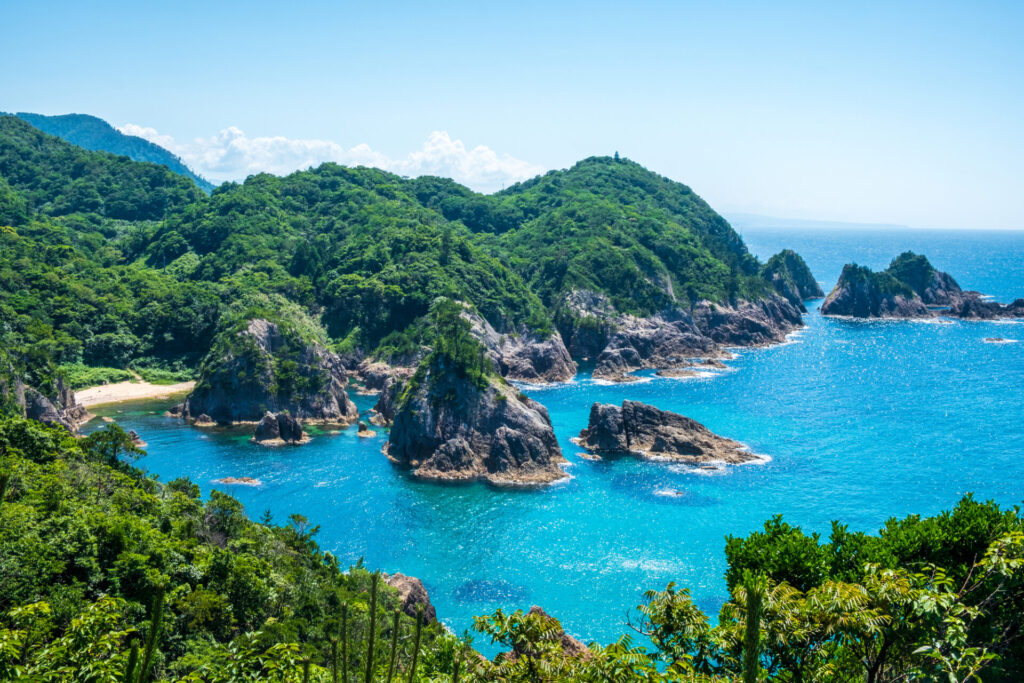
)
(93, 133)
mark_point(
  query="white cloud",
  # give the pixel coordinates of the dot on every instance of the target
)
(232, 155)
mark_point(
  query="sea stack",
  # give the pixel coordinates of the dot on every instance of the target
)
(279, 429)
(640, 429)
(456, 419)
(258, 366)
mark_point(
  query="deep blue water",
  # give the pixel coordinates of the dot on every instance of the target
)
(863, 421)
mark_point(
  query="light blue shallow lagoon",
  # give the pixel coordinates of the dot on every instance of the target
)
(862, 421)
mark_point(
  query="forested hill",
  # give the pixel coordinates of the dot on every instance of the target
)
(95, 134)
(58, 179)
(132, 259)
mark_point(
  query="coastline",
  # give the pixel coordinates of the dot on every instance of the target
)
(129, 391)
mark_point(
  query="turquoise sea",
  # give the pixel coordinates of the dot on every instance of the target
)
(862, 420)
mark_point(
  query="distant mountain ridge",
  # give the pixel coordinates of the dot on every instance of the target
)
(95, 134)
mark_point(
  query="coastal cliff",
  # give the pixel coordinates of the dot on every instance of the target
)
(640, 429)
(862, 293)
(257, 365)
(674, 339)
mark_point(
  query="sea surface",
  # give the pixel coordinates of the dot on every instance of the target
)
(863, 421)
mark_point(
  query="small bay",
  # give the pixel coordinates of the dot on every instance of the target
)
(862, 420)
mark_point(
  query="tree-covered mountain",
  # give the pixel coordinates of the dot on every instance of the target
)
(93, 133)
(137, 261)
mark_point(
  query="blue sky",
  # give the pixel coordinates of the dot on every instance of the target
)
(872, 112)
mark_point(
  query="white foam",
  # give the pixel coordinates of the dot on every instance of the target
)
(1000, 341)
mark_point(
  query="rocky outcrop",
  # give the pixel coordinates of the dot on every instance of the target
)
(383, 413)
(259, 368)
(412, 596)
(934, 287)
(279, 429)
(640, 429)
(789, 275)
(449, 427)
(526, 356)
(137, 440)
(971, 306)
(672, 340)
(656, 342)
(861, 293)
(586, 323)
(60, 408)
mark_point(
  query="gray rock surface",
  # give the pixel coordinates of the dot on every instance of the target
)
(448, 428)
(524, 356)
(246, 382)
(412, 595)
(278, 429)
(641, 429)
(861, 293)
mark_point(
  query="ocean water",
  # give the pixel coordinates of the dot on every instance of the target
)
(862, 421)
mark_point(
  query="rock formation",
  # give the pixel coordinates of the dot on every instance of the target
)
(448, 426)
(789, 275)
(862, 293)
(971, 306)
(672, 340)
(525, 356)
(906, 289)
(412, 595)
(640, 429)
(279, 429)
(261, 368)
(59, 408)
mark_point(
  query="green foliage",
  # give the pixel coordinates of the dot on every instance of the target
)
(96, 134)
(93, 544)
(60, 179)
(78, 376)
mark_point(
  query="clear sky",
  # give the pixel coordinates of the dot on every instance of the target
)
(892, 112)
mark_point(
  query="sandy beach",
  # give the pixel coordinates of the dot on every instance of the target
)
(128, 391)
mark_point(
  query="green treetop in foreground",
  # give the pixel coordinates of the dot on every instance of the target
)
(103, 570)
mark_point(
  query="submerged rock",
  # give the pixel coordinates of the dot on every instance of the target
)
(450, 427)
(279, 429)
(261, 368)
(640, 429)
(413, 595)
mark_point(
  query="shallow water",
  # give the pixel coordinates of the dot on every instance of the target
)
(862, 421)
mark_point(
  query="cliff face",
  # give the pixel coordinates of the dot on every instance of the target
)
(260, 369)
(641, 429)
(672, 339)
(971, 306)
(933, 286)
(789, 275)
(448, 427)
(524, 357)
(861, 293)
(58, 408)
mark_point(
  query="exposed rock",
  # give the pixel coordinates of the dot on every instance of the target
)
(136, 439)
(640, 429)
(671, 340)
(204, 420)
(933, 286)
(525, 356)
(240, 481)
(861, 293)
(450, 428)
(273, 430)
(663, 341)
(364, 431)
(971, 306)
(384, 410)
(256, 370)
(748, 323)
(412, 595)
(376, 375)
(60, 408)
(789, 275)
(586, 322)
(571, 647)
